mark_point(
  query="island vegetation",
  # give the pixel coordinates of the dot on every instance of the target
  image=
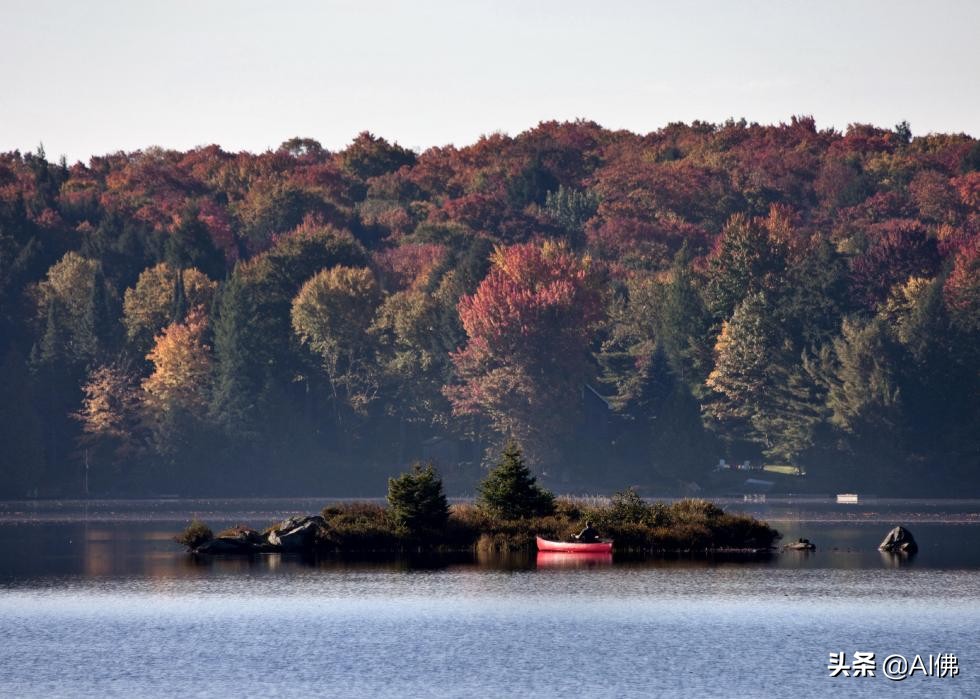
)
(510, 511)
(631, 308)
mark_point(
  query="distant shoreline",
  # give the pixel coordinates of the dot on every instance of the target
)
(260, 511)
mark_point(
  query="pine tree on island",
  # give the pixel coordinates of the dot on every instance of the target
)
(510, 491)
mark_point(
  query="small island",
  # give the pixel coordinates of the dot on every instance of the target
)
(510, 511)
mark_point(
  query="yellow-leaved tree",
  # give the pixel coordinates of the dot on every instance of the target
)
(153, 302)
(332, 315)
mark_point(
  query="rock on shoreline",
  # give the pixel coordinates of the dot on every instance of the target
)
(294, 534)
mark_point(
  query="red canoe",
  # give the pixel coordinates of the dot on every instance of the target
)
(575, 546)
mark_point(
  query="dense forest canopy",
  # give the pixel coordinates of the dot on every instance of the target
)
(630, 308)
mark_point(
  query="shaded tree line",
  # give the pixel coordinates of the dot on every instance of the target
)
(627, 307)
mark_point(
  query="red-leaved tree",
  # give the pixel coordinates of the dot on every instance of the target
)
(962, 289)
(529, 325)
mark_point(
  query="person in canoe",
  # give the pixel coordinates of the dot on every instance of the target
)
(588, 535)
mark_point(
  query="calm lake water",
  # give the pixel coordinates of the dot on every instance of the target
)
(96, 600)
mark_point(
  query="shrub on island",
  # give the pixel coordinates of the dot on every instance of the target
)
(358, 526)
(685, 525)
(195, 535)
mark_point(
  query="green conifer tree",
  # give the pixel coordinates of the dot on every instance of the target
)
(511, 492)
(22, 458)
(180, 298)
(239, 375)
(190, 245)
(417, 500)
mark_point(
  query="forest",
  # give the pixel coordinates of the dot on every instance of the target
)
(628, 308)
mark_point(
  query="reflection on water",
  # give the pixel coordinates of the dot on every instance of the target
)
(147, 549)
(897, 560)
(855, 545)
(114, 608)
(559, 559)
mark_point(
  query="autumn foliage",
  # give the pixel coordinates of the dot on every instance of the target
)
(181, 375)
(528, 328)
(619, 303)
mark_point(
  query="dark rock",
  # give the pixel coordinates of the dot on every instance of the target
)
(801, 545)
(243, 535)
(223, 545)
(296, 533)
(237, 540)
(899, 540)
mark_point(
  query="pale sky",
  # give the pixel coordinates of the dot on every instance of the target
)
(95, 77)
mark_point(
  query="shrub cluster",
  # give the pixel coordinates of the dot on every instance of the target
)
(688, 524)
(197, 533)
(358, 526)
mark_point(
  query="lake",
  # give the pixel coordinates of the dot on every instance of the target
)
(96, 600)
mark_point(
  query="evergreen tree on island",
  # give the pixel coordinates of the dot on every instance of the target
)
(510, 491)
(417, 500)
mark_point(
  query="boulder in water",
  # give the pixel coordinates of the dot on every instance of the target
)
(899, 540)
(296, 533)
(801, 545)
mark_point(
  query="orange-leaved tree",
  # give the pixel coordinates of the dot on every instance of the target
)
(178, 392)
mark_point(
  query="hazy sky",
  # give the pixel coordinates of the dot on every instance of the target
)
(93, 77)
